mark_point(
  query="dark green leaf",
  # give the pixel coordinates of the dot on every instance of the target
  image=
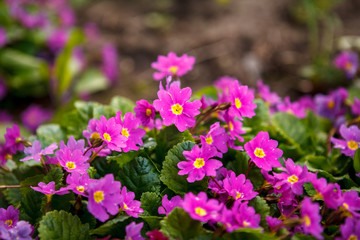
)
(357, 161)
(309, 188)
(54, 175)
(261, 118)
(150, 202)
(107, 227)
(62, 202)
(31, 205)
(250, 234)
(262, 208)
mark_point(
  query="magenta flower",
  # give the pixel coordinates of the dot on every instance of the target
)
(200, 163)
(169, 205)
(351, 142)
(57, 40)
(79, 183)
(130, 130)
(128, 204)
(312, 220)
(331, 106)
(266, 95)
(36, 152)
(34, 116)
(234, 127)
(350, 229)
(240, 188)
(216, 137)
(5, 116)
(294, 108)
(355, 107)
(347, 62)
(293, 178)
(240, 216)
(330, 193)
(172, 65)
(92, 134)
(49, 189)
(263, 151)
(175, 109)
(22, 231)
(144, 111)
(110, 133)
(273, 222)
(3, 37)
(5, 154)
(156, 235)
(13, 140)
(221, 174)
(351, 203)
(104, 197)
(133, 231)
(67, 17)
(110, 65)
(241, 102)
(9, 217)
(200, 208)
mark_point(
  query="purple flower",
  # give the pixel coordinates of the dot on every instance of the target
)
(330, 193)
(216, 137)
(307, 102)
(144, 111)
(350, 229)
(175, 109)
(36, 153)
(225, 84)
(348, 62)
(110, 65)
(5, 116)
(312, 220)
(5, 154)
(79, 183)
(9, 217)
(92, 134)
(239, 187)
(49, 189)
(13, 140)
(57, 40)
(34, 116)
(130, 130)
(351, 142)
(172, 65)
(156, 235)
(266, 94)
(240, 216)
(128, 204)
(21, 231)
(104, 196)
(294, 108)
(3, 38)
(273, 222)
(331, 106)
(200, 208)
(241, 101)
(67, 17)
(133, 231)
(199, 163)
(355, 107)
(263, 151)
(221, 174)
(110, 133)
(169, 205)
(293, 178)
(350, 203)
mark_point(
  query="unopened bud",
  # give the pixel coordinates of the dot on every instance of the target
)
(26, 143)
(224, 106)
(96, 142)
(292, 222)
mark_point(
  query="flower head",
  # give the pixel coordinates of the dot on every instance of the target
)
(110, 132)
(351, 140)
(350, 203)
(311, 218)
(172, 65)
(144, 111)
(294, 108)
(79, 183)
(128, 204)
(169, 205)
(330, 193)
(34, 116)
(49, 189)
(216, 137)
(36, 152)
(242, 104)
(22, 231)
(9, 217)
(331, 106)
(13, 140)
(110, 65)
(263, 151)
(350, 229)
(348, 62)
(240, 188)
(133, 231)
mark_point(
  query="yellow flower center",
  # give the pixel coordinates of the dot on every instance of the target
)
(98, 196)
(8, 222)
(237, 103)
(231, 126)
(352, 145)
(200, 211)
(307, 221)
(346, 206)
(125, 132)
(148, 112)
(125, 206)
(173, 69)
(80, 188)
(245, 223)
(259, 152)
(95, 135)
(8, 156)
(18, 140)
(239, 195)
(107, 137)
(331, 104)
(292, 179)
(348, 66)
(199, 162)
(70, 165)
(352, 237)
(177, 109)
(209, 140)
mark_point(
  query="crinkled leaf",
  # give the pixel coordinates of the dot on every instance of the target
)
(262, 208)
(150, 202)
(50, 133)
(122, 104)
(261, 118)
(54, 175)
(60, 225)
(179, 225)
(104, 167)
(31, 205)
(107, 227)
(169, 173)
(62, 202)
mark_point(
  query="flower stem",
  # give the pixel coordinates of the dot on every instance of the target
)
(96, 153)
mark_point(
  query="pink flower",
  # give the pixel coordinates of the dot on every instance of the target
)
(128, 204)
(144, 111)
(34, 116)
(239, 187)
(49, 189)
(266, 95)
(110, 65)
(200, 208)
(175, 109)
(172, 65)
(330, 193)
(294, 108)
(110, 133)
(79, 183)
(9, 217)
(216, 137)
(263, 151)
(234, 127)
(241, 99)
(351, 142)
(36, 152)
(133, 231)
(169, 205)
(312, 220)
(199, 163)
(13, 140)
(348, 62)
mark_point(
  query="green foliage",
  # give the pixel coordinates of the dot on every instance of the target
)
(357, 161)
(169, 173)
(31, 205)
(109, 226)
(122, 104)
(250, 234)
(150, 202)
(261, 119)
(50, 133)
(91, 81)
(60, 225)
(262, 208)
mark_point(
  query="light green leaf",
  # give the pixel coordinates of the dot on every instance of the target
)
(50, 133)
(122, 104)
(93, 80)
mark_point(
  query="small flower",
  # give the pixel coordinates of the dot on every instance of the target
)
(172, 65)
(331, 106)
(351, 142)
(49, 189)
(128, 204)
(263, 151)
(294, 108)
(216, 137)
(104, 196)
(36, 153)
(234, 127)
(273, 222)
(350, 203)
(169, 205)
(156, 235)
(110, 65)
(266, 95)
(13, 140)
(224, 84)
(239, 187)
(110, 132)
(355, 107)
(199, 163)
(22, 231)
(241, 102)
(9, 217)
(350, 229)
(330, 193)
(5, 154)
(34, 116)
(57, 40)
(175, 109)
(200, 208)
(144, 111)
(348, 62)
(311, 218)
(79, 183)
(133, 231)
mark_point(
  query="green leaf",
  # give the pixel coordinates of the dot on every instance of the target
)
(90, 110)
(250, 234)
(317, 162)
(107, 227)
(7, 178)
(301, 236)
(124, 158)
(62, 202)
(169, 174)
(150, 202)
(357, 161)
(55, 174)
(50, 133)
(179, 225)
(262, 117)
(140, 176)
(309, 188)
(104, 167)
(91, 81)
(57, 225)
(262, 208)
(31, 205)
(209, 91)
(122, 104)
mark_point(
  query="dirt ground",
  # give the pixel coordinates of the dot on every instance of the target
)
(246, 39)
